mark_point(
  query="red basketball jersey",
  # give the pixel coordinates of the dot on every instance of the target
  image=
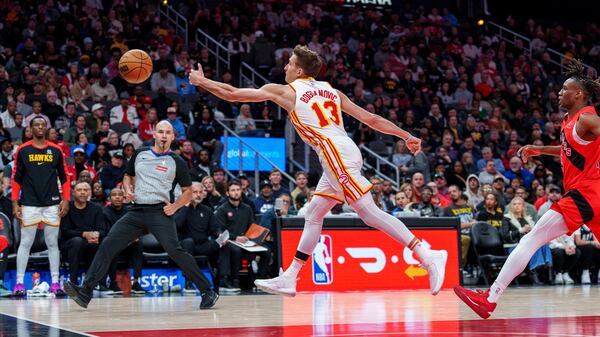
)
(580, 158)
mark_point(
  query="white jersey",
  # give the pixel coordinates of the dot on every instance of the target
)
(317, 117)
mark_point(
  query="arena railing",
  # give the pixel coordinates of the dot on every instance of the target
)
(177, 21)
(228, 132)
(379, 162)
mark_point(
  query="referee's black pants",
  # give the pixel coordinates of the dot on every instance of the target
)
(130, 227)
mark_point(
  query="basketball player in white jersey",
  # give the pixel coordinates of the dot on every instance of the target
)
(314, 109)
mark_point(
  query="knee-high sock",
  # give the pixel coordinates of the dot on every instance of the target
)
(313, 223)
(51, 237)
(373, 216)
(550, 226)
(27, 238)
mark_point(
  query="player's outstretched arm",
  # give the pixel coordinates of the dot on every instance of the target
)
(268, 92)
(379, 123)
(533, 151)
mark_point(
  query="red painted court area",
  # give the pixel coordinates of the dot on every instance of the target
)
(535, 327)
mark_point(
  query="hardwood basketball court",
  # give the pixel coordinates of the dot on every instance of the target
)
(527, 311)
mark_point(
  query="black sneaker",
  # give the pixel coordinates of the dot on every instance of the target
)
(226, 287)
(115, 288)
(189, 288)
(104, 289)
(80, 295)
(209, 298)
(137, 289)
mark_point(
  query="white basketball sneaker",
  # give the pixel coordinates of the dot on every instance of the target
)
(280, 285)
(434, 261)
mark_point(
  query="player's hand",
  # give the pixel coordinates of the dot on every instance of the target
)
(570, 250)
(129, 195)
(528, 151)
(196, 76)
(18, 211)
(241, 239)
(413, 144)
(63, 208)
(170, 209)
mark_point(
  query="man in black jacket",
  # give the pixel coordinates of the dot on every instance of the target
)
(82, 229)
(198, 227)
(134, 252)
(112, 174)
(236, 217)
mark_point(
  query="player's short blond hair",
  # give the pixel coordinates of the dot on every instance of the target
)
(308, 60)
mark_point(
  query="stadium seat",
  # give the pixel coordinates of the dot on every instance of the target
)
(488, 247)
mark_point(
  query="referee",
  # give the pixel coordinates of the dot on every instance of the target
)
(155, 172)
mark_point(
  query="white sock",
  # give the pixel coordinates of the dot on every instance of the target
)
(27, 238)
(293, 269)
(550, 226)
(51, 238)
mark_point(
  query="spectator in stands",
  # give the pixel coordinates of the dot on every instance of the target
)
(100, 157)
(589, 246)
(16, 132)
(492, 212)
(200, 233)
(94, 121)
(98, 195)
(51, 107)
(132, 252)
(385, 204)
(487, 155)
(529, 208)
(403, 204)
(565, 256)
(516, 170)
(235, 217)
(220, 178)
(386, 190)
(8, 116)
(82, 143)
(419, 164)
(553, 196)
(498, 186)
(490, 173)
(441, 184)
(112, 174)
(201, 166)
(203, 134)
(265, 201)
(286, 209)
(275, 177)
(176, 122)
(182, 82)
(516, 224)
(124, 113)
(401, 156)
(64, 122)
(425, 208)
(186, 152)
(417, 182)
(457, 175)
(213, 197)
(147, 127)
(301, 180)
(80, 164)
(163, 79)
(245, 124)
(103, 91)
(71, 135)
(82, 229)
(461, 209)
(36, 111)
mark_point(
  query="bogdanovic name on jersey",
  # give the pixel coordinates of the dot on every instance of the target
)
(308, 95)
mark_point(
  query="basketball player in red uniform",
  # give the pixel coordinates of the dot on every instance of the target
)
(580, 156)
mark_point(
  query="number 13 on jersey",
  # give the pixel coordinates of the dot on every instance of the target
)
(324, 119)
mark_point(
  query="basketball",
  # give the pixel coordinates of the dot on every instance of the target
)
(135, 66)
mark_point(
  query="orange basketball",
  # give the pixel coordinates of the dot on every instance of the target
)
(135, 66)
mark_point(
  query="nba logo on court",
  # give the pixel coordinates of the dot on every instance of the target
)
(322, 262)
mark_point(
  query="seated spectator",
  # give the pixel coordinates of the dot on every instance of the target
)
(385, 204)
(147, 127)
(401, 156)
(564, 258)
(236, 217)
(186, 152)
(213, 197)
(589, 246)
(82, 229)
(199, 230)
(457, 175)
(425, 208)
(201, 166)
(204, 135)
(515, 225)
(461, 209)
(182, 82)
(498, 186)
(8, 116)
(103, 91)
(71, 135)
(7, 152)
(490, 173)
(163, 79)
(52, 136)
(529, 208)
(516, 170)
(36, 111)
(94, 121)
(66, 121)
(99, 157)
(301, 180)
(492, 212)
(438, 199)
(81, 90)
(487, 155)
(124, 113)
(417, 182)
(265, 201)
(112, 174)
(473, 191)
(16, 132)
(553, 196)
(98, 195)
(133, 252)
(275, 178)
(82, 143)
(176, 122)
(287, 208)
(403, 204)
(245, 125)
(80, 164)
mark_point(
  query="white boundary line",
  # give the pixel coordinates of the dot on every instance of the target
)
(50, 325)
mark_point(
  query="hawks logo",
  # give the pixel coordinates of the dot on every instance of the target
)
(344, 179)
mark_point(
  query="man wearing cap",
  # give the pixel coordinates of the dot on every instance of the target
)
(265, 201)
(124, 113)
(80, 164)
(554, 194)
(94, 121)
(183, 82)
(103, 91)
(176, 123)
(163, 79)
(112, 174)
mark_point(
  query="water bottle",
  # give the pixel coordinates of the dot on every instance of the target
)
(35, 279)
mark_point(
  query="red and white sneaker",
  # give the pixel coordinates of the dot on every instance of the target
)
(434, 261)
(280, 285)
(476, 300)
